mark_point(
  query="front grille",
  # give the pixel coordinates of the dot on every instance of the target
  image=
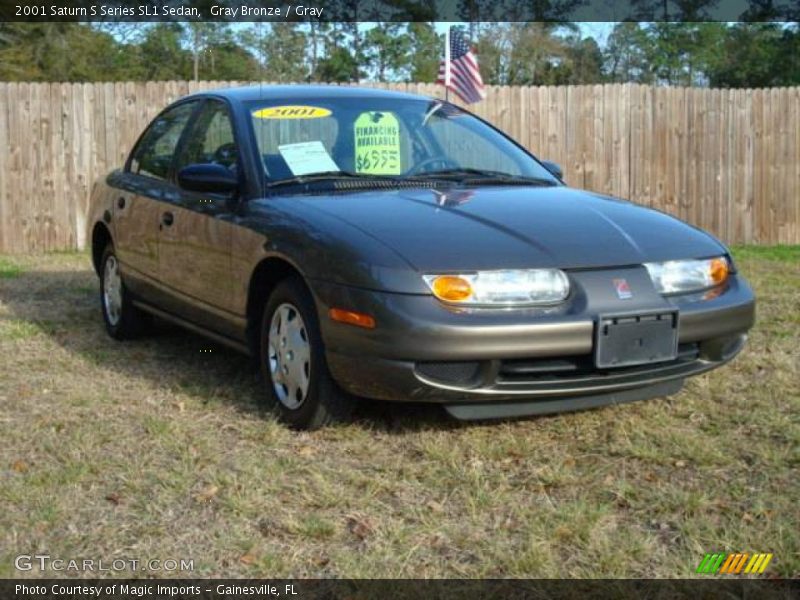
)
(563, 375)
(450, 373)
(575, 367)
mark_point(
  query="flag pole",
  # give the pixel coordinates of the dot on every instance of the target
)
(447, 65)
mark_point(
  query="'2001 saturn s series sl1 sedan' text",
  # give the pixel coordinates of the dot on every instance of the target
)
(385, 245)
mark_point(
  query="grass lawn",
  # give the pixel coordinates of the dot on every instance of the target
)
(158, 449)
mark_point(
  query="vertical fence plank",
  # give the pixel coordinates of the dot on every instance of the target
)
(12, 216)
(688, 203)
(643, 135)
(55, 222)
(597, 181)
(748, 122)
(72, 161)
(544, 119)
(535, 120)
(757, 161)
(4, 168)
(109, 125)
(25, 197)
(584, 132)
(675, 159)
(781, 198)
(713, 162)
(81, 157)
(522, 115)
(556, 124)
(794, 186)
(763, 215)
(60, 201)
(611, 150)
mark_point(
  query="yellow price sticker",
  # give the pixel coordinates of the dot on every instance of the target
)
(377, 143)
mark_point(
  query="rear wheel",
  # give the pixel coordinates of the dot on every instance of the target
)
(292, 360)
(122, 319)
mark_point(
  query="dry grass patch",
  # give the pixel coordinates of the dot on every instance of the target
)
(155, 449)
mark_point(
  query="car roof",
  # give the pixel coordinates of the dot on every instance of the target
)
(276, 92)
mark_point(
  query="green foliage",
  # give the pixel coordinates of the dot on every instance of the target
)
(339, 66)
(534, 54)
(425, 52)
(517, 53)
(344, 55)
(217, 54)
(585, 62)
(386, 49)
(55, 52)
(757, 55)
(280, 51)
(628, 54)
(160, 55)
(682, 55)
(698, 54)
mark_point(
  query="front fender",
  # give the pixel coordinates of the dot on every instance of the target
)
(326, 248)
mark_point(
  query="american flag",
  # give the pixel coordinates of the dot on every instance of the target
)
(464, 76)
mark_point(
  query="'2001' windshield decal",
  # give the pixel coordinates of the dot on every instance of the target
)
(292, 112)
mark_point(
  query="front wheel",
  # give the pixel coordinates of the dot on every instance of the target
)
(293, 363)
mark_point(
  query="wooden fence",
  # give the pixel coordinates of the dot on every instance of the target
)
(726, 160)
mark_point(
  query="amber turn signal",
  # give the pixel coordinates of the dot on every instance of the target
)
(718, 270)
(352, 318)
(451, 288)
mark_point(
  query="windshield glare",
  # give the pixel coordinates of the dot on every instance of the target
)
(381, 137)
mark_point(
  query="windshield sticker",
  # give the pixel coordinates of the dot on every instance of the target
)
(307, 157)
(292, 112)
(377, 142)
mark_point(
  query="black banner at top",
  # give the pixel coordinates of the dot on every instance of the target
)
(399, 10)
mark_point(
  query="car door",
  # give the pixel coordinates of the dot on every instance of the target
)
(196, 228)
(141, 188)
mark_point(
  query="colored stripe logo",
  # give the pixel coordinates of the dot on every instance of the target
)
(734, 564)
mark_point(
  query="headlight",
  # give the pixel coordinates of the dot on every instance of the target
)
(680, 276)
(500, 288)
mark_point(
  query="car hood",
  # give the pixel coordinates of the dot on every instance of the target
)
(515, 227)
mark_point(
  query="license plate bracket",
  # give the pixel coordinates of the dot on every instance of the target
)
(624, 340)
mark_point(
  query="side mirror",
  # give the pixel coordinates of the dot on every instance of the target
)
(208, 177)
(554, 168)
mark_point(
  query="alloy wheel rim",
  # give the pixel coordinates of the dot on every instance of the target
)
(289, 356)
(112, 290)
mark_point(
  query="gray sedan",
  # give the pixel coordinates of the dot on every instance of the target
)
(363, 243)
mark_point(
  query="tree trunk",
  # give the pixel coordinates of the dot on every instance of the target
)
(196, 54)
(314, 52)
(356, 50)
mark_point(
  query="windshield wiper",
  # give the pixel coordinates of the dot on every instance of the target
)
(469, 175)
(329, 176)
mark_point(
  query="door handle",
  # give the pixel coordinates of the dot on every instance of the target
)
(121, 202)
(167, 219)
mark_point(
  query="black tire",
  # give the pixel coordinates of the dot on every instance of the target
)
(324, 402)
(130, 322)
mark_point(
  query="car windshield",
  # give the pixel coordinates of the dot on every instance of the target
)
(386, 139)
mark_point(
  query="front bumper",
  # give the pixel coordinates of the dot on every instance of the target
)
(523, 361)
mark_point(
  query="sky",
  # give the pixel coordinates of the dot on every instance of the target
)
(599, 31)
